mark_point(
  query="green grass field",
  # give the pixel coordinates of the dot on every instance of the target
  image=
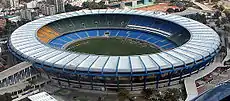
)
(112, 46)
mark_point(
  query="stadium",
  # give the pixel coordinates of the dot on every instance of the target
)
(114, 48)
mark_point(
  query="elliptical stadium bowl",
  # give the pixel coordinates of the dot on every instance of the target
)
(186, 47)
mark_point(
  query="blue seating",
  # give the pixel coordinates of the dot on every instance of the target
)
(152, 40)
(56, 45)
(158, 38)
(162, 43)
(102, 32)
(122, 33)
(155, 23)
(155, 39)
(92, 33)
(82, 34)
(65, 38)
(57, 40)
(145, 36)
(159, 41)
(159, 44)
(73, 36)
(113, 32)
(169, 46)
(134, 34)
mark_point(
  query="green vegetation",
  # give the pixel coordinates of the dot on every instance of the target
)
(199, 17)
(170, 94)
(86, 5)
(227, 13)
(123, 94)
(113, 46)
(70, 8)
(6, 97)
(94, 5)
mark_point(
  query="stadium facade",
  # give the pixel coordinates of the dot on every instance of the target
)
(187, 46)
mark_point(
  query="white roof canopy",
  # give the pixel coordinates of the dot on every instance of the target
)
(203, 41)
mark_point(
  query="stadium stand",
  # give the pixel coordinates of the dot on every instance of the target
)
(155, 39)
(45, 34)
(168, 29)
(48, 33)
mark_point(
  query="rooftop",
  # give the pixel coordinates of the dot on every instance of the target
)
(12, 70)
(43, 96)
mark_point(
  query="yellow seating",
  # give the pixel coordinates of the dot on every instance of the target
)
(43, 38)
(45, 34)
(52, 31)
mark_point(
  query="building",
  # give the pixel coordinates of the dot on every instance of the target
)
(51, 10)
(10, 3)
(2, 22)
(42, 96)
(59, 5)
(31, 4)
(15, 80)
(26, 14)
(46, 9)
(14, 3)
(2, 25)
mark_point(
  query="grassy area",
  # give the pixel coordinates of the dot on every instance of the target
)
(112, 46)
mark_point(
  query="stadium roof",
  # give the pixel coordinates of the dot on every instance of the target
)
(202, 43)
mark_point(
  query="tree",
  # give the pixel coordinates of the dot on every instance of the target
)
(221, 8)
(99, 99)
(123, 94)
(151, 94)
(172, 94)
(6, 97)
(177, 10)
(32, 83)
(94, 5)
(227, 13)
(227, 27)
(217, 23)
(200, 17)
(146, 93)
(223, 20)
(217, 14)
(170, 10)
(70, 8)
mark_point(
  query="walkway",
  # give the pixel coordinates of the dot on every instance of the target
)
(219, 89)
(227, 57)
(189, 82)
(226, 38)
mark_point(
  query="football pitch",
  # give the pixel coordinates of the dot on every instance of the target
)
(112, 46)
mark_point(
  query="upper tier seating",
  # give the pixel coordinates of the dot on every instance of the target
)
(156, 24)
(84, 22)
